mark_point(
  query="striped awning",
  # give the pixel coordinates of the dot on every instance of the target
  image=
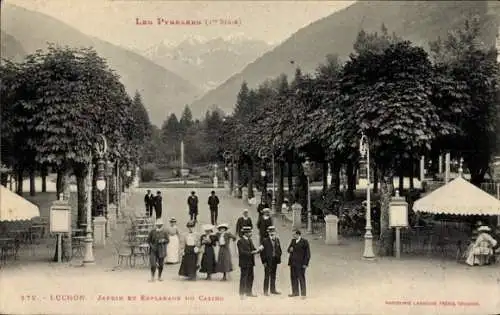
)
(15, 208)
(458, 197)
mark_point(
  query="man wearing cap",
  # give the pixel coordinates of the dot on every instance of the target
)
(271, 258)
(193, 206)
(246, 252)
(244, 220)
(157, 240)
(263, 223)
(213, 204)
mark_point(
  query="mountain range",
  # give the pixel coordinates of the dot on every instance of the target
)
(163, 91)
(418, 21)
(207, 63)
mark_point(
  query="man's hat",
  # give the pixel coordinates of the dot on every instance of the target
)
(190, 224)
(246, 229)
(223, 226)
(172, 220)
(266, 210)
(159, 222)
(271, 228)
(208, 227)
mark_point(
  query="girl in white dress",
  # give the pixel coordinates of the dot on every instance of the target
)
(173, 245)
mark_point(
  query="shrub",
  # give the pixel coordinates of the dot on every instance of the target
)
(148, 172)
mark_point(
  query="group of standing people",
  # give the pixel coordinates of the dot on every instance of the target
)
(152, 202)
(199, 252)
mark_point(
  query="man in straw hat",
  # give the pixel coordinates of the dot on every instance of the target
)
(271, 258)
(157, 240)
(244, 220)
(263, 223)
(246, 252)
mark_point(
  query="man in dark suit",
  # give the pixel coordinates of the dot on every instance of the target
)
(158, 204)
(246, 252)
(298, 261)
(193, 206)
(271, 258)
(148, 203)
(213, 204)
(263, 223)
(244, 220)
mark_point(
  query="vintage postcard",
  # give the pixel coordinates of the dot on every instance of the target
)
(249, 157)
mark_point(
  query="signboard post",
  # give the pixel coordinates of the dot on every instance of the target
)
(398, 218)
(60, 222)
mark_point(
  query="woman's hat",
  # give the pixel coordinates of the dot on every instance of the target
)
(223, 226)
(266, 210)
(245, 210)
(208, 227)
(190, 224)
(159, 222)
(484, 228)
(172, 220)
(246, 229)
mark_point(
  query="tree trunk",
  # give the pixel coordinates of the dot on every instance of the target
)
(281, 191)
(386, 238)
(19, 175)
(336, 166)
(81, 190)
(290, 180)
(376, 180)
(32, 182)
(250, 179)
(44, 178)
(401, 175)
(412, 173)
(237, 179)
(62, 187)
(351, 180)
(325, 176)
(301, 189)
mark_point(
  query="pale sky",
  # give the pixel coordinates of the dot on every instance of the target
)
(115, 20)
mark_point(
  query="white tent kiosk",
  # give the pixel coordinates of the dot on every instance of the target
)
(15, 208)
(459, 197)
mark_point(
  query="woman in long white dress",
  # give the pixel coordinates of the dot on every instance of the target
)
(481, 251)
(173, 245)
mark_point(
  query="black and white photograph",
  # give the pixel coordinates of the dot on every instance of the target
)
(249, 157)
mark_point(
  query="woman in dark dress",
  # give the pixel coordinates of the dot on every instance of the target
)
(224, 263)
(207, 242)
(189, 263)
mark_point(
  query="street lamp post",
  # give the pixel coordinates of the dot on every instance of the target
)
(101, 149)
(264, 182)
(364, 150)
(273, 202)
(307, 171)
(216, 180)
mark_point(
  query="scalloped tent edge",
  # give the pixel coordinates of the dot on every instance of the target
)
(15, 208)
(458, 197)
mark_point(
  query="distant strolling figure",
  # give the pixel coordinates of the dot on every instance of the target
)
(189, 263)
(263, 223)
(224, 263)
(208, 242)
(148, 203)
(213, 204)
(157, 240)
(244, 220)
(193, 207)
(262, 205)
(158, 204)
(173, 244)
